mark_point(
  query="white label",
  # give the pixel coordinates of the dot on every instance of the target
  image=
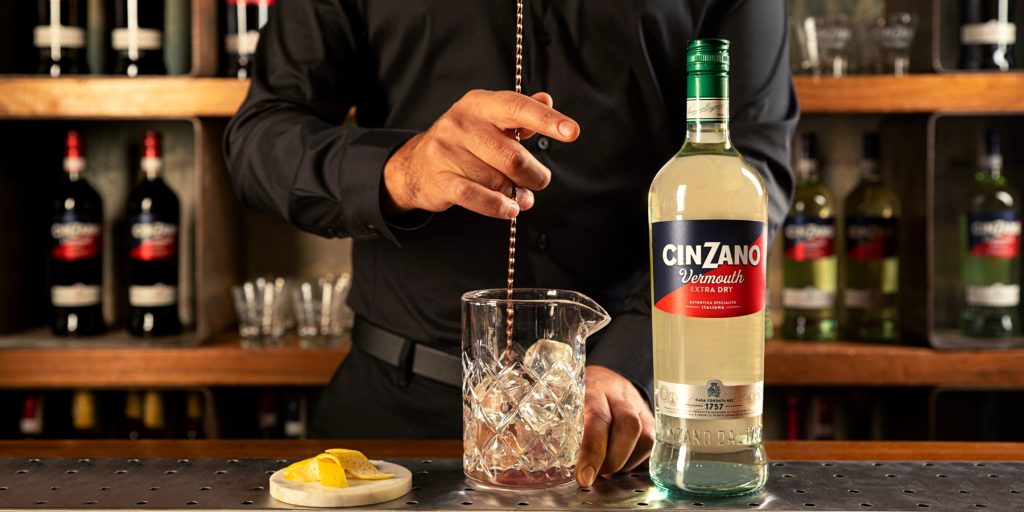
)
(990, 32)
(294, 429)
(807, 298)
(707, 109)
(867, 299)
(75, 296)
(996, 295)
(145, 39)
(242, 44)
(66, 37)
(152, 296)
(709, 401)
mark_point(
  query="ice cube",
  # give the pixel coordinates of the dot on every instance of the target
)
(552, 362)
(544, 354)
(498, 397)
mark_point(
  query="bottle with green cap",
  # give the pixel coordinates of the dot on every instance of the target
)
(708, 233)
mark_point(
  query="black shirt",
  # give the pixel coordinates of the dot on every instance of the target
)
(615, 66)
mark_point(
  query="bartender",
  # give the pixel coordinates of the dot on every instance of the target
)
(421, 181)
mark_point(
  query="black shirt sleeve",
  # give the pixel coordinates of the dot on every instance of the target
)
(288, 152)
(764, 114)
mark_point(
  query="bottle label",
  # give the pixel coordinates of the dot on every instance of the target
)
(77, 295)
(153, 296)
(709, 401)
(707, 110)
(990, 32)
(807, 298)
(151, 239)
(709, 268)
(855, 298)
(809, 238)
(74, 240)
(126, 39)
(996, 295)
(871, 238)
(994, 235)
(44, 36)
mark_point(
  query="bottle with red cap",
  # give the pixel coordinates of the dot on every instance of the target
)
(153, 219)
(76, 251)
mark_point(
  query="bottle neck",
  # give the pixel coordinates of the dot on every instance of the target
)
(151, 167)
(992, 165)
(708, 134)
(707, 110)
(870, 171)
(807, 171)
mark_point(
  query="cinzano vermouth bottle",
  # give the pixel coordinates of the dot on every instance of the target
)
(871, 215)
(811, 265)
(708, 233)
(990, 233)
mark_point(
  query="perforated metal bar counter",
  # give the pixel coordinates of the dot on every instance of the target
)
(233, 475)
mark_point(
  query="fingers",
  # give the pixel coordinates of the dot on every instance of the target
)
(478, 198)
(627, 425)
(644, 443)
(548, 101)
(477, 170)
(597, 422)
(508, 111)
(509, 157)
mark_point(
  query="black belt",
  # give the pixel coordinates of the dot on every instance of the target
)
(405, 354)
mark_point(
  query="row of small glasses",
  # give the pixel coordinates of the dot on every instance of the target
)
(268, 307)
(824, 44)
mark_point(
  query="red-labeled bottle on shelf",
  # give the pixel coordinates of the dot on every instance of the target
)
(31, 424)
(76, 251)
(153, 219)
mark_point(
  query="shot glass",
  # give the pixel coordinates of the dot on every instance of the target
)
(321, 315)
(893, 36)
(262, 309)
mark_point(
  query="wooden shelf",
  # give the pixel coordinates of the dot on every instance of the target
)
(123, 98)
(219, 363)
(178, 97)
(791, 363)
(922, 93)
(224, 363)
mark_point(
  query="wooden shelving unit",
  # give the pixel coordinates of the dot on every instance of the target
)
(224, 363)
(179, 97)
(120, 98)
(221, 362)
(923, 93)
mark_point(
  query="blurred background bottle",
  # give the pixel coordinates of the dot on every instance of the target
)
(871, 215)
(990, 236)
(59, 37)
(810, 265)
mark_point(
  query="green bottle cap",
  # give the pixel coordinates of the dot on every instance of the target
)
(707, 81)
(707, 55)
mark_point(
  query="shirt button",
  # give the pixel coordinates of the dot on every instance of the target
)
(543, 143)
(542, 242)
(371, 227)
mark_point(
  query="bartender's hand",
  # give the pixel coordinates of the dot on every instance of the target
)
(618, 427)
(469, 158)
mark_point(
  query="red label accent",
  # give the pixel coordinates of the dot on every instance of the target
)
(709, 268)
(76, 241)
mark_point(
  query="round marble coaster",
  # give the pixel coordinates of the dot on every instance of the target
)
(358, 493)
